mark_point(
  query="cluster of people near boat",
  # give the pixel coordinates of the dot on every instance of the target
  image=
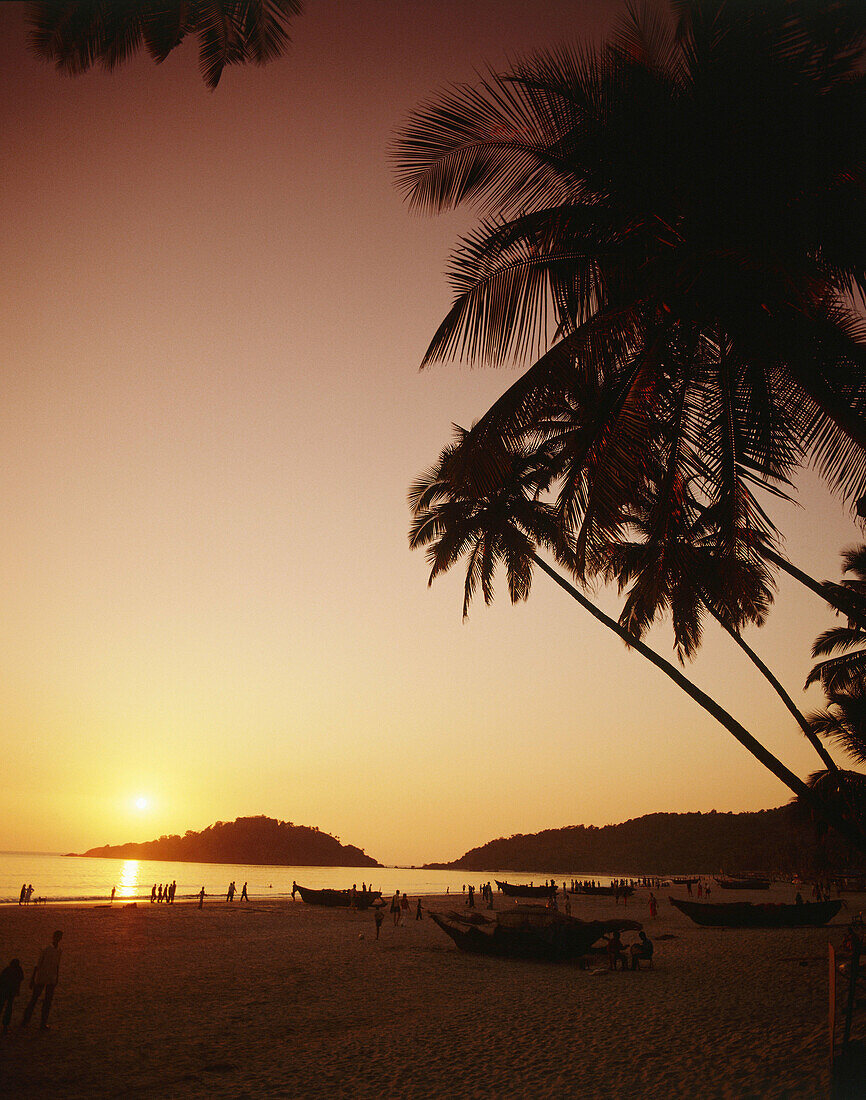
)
(629, 956)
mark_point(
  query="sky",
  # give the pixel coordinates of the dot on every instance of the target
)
(214, 307)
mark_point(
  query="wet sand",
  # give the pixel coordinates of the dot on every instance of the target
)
(288, 1000)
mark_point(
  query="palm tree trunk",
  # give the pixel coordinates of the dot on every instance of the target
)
(811, 736)
(750, 743)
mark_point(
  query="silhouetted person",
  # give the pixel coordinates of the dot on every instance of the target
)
(244, 896)
(418, 915)
(44, 980)
(29, 894)
(113, 892)
(159, 893)
(294, 889)
(395, 908)
(379, 917)
(230, 896)
(22, 897)
(201, 897)
(10, 986)
(153, 894)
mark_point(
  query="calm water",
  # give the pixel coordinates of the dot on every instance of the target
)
(79, 878)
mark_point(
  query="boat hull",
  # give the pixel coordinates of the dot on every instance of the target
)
(515, 890)
(745, 914)
(336, 899)
(562, 940)
(743, 883)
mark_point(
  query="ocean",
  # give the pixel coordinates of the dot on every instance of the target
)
(59, 878)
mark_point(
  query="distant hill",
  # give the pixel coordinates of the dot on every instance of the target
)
(769, 841)
(261, 840)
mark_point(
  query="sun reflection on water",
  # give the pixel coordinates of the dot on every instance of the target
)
(128, 887)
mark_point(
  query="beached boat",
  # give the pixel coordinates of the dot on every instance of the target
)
(684, 881)
(515, 890)
(743, 882)
(746, 914)
(528, 932)
(362, 899)
(606, 891)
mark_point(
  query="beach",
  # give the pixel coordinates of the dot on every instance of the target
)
(289, 1000)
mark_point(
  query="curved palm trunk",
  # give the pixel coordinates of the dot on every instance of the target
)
(811, 736)
(750, 743)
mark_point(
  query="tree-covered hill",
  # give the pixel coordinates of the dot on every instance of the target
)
(261, 840)
(769, 841)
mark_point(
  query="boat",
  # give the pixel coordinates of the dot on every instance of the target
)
(606, 891)
(746, 914)
(743, 882)
(684, 881)
(516, 890)
(362, 899)
(528, 932)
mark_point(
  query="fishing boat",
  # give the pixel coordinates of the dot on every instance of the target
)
(606, 891)
(684, 881)
(362, 899)
(746, 914)
(743, 882)
(528, 932)
(515, 890)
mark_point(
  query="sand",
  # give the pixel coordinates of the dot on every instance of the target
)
(288, 1000)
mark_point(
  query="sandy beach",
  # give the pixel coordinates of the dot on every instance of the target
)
(288, 1000)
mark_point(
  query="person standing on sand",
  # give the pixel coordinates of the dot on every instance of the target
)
(418, 915)
(113, 892)
(44, 980)
(10, 986)
(244, 896)
(201, 898)
(379, 917)
(23, 894)
(153, 894)
(395, 908)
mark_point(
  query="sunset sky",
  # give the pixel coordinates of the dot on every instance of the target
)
(214, 307)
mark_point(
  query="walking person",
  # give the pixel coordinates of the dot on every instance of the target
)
(244, 896)
(10, 986)
(44, 980)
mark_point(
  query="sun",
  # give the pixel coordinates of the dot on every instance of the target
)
(141, 803)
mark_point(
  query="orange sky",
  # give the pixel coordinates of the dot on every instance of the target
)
(213, 310)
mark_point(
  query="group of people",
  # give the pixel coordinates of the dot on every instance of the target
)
(232, 890)
(399, 905)
(43, 982)
(631, 955)
(160, 892)
(26, 894)
(700, 887)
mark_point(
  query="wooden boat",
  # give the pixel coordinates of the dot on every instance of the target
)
(743, 882)
(363, 899)
(515, 890)
(684, 881)
(528, 932)
(745, 914)
(606, 891)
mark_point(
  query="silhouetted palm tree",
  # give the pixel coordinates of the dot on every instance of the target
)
(76, 34)
(487, 508)
(843, 722)
(688, 205)
(849, 668)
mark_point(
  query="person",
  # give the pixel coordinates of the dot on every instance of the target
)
(653, 905)
(159, 893)
(172, 890)
(230, 893)
(395, 908)
(615, 951)
(44, 980)
(113, 892)
(567, 905)
(379, 917)
(201, 898)
(404, 905)
(10, 986)
(22, 896)
(418, 911)
(244, 896)
(641, 949)
(153, 894)
(294, 889)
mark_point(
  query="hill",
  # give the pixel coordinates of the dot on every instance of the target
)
(257, 840)
(768, 841)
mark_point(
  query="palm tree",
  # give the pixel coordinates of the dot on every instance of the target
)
(488, 509)
(76, 34)
(849, 668)
(676, 220)
(679, 562)
(843, 721)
